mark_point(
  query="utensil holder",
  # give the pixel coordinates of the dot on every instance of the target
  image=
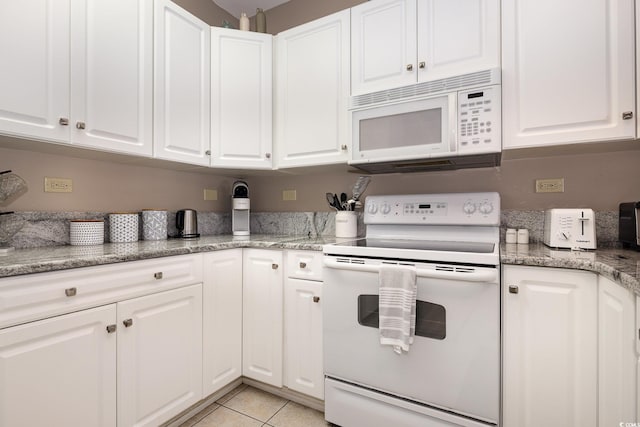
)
(346, 224)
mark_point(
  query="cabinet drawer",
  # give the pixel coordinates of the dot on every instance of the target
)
(41, 295)
(304, 265)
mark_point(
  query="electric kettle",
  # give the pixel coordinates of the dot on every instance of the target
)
(187, 223)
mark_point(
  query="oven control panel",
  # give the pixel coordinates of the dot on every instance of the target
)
(434, 209)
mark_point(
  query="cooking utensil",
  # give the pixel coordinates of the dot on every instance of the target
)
(360, 187)
(343, 201)
(330, 197)
(336, 202)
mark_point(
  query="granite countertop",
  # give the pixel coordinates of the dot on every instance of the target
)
(621, 266)
(43, 259)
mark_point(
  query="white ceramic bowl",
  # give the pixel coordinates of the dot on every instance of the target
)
(86, 232)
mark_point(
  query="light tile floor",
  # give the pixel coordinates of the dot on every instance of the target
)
(247, 406)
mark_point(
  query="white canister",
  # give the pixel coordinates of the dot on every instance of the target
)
(123, 227)
(523, 236)
(346, 224)
(511, 236)
(154, 224)
(85, 232)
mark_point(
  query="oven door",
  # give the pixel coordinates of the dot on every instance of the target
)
(454, 361)
(414, 129)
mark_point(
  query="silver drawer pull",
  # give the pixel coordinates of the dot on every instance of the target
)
(111, 328)
(63, 121)
(316, 299)
(70, 292)
(513, 289)
(274, 266)
(80, 125)
(127, 322)
(409, 67)
(158, 275)
(303, 265)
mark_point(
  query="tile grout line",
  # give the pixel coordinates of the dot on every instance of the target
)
(278, 411)
(245, 415)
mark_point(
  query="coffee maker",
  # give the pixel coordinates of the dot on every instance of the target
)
(240, 205)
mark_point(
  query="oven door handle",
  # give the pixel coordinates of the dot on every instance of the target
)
(472, 276)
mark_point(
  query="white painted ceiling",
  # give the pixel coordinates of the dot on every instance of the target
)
(236, 7)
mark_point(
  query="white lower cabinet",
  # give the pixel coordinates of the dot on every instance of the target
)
(159, 356)
(303, 337)
(549, 347)
(262, 315)
(222, 319)
(570, 349)
(617, 354)
(60, 371)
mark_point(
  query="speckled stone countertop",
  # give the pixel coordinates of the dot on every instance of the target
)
(38, 260)
(620, 265)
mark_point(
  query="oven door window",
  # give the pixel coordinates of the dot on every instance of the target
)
(405, 130)
(430, 318)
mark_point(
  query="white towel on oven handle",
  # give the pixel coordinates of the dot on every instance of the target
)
(397, 306)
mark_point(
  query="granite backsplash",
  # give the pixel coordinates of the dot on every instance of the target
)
(52, 228)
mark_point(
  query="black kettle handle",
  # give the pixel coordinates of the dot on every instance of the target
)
(180, 220)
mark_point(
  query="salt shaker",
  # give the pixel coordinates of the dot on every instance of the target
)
(523, 236)
(511, 236)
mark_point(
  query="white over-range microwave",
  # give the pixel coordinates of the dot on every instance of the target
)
(450, 123)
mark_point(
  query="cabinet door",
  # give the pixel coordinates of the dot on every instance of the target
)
(159, 356)
(262, 316)
(241, 98)
(456, 38)
(550, 347)
(182, 47)
(303, 337)
(34, 76)
(312, 89)
(617, 357)
(222, 319)
(112, 75)
(383, 45)
(567, 83)
(59, 371)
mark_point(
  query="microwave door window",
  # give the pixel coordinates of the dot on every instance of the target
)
(415, 128)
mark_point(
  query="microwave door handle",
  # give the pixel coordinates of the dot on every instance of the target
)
(476, 276)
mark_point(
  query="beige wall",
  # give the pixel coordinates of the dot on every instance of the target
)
(598, 181)
(105, 186)
(296, 12)
(208, 11)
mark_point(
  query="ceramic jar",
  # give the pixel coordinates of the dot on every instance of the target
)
(84, 232)
(154, 224)
(123, 227)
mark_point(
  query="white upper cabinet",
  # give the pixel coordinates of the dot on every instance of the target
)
(69, 77)
(112, 75)
(568, 72)
(400, 42)
(312, 90)
(182, 46)
(241, 98)
(34, 76)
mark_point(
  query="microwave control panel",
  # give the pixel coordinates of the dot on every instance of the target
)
(479, 128)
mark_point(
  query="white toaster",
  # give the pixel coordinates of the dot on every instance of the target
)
(570, 228)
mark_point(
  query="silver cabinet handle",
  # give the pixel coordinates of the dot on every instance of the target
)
(267, 155)
(208, 152)
(409, 67)
(127, 322)
(80, 125)
(111, 328)
(303, 265)
(422, 65)
(344, 147)
(274, 266)
(316, 299)
(70, 292)
(627, 115)
(513, 289)
(63, 121)
(157, 275)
